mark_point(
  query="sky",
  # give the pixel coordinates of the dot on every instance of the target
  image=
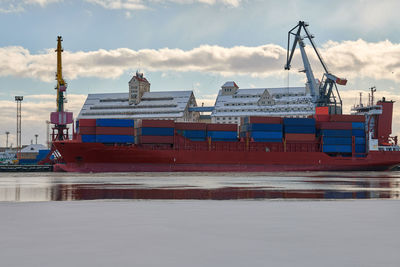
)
(186, 45)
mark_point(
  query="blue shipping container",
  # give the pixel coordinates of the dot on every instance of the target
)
(336, 140)
(336, 133)
(299, 121)
(267, 135)
(115, 123)
(337, 148)
(359, 148)
(121, 139)
(357, 132)
(358, 125)
(299, 129)
(222, 135)
(224, 139)
(264, 127)
(27, 162)
(359, 140)
(89, 138)
(193, 133)
(157, 131)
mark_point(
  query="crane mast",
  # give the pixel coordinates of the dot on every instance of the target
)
(60, 118)
(324, 93)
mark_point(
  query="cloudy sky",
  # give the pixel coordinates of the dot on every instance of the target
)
(186, 45)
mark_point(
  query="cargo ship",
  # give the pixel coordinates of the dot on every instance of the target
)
(323, 141)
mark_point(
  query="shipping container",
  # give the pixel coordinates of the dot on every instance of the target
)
(299, 137)
(256, 119)
(192, 133)
(156, 131)
(336, 140)
(224, 139)
(359, 140)
(190, 126)
(358, 132)
(336, 133)
(87, 123)
(266, 135)
(299, 129)
(156, 139)
(115, 139)
(348, 118)
(360, 148)
(358, 125)
(157, 123)
(264, 127)
(337, 148)
(299, 122)
(222, 127)
(88, 138)
(322, 117)
(115, 130)
(335, 125)
(87, 130)
(222, 134)
(115, 123)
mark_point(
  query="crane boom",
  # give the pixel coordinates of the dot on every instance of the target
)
(322, 93)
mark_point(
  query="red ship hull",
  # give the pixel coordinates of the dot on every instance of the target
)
(97, 157)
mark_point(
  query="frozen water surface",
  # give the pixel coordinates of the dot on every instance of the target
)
(269, 219)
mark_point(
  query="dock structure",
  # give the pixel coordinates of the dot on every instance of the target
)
(26, 168)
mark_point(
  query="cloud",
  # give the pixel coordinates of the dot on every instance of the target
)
(144, 4)
(348, 59)
(13, 6)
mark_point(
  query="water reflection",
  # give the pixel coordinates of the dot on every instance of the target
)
(224, 186)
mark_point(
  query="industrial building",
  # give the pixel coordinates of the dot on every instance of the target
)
(140, 103)
(233, 103)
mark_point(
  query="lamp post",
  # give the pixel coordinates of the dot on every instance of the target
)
(19, 99)
(7, 133)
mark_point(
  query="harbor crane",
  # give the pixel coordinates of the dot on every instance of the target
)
(60, 118)
(324, 93)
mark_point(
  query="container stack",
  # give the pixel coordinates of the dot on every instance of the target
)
(299, 129)
(191, 130)
(107, 131)
(262, 129)
(338, 134)
(222, 132)
(156, 132)
(115, 131)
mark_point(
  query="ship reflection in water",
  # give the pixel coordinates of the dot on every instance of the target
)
(216, 186)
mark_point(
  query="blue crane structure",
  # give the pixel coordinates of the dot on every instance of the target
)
(322, 92)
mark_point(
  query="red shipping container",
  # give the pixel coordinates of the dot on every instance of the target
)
(322, 118)
(87, 122)
(299, 137)
(190, 126)
(87, 130)
(156, 139)
(116, 130)
(348, 118)
(222, 127)
(322, 110)
(158, 123)
(268, 120)
(332, 125)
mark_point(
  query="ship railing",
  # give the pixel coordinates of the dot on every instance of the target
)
(388, 148)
